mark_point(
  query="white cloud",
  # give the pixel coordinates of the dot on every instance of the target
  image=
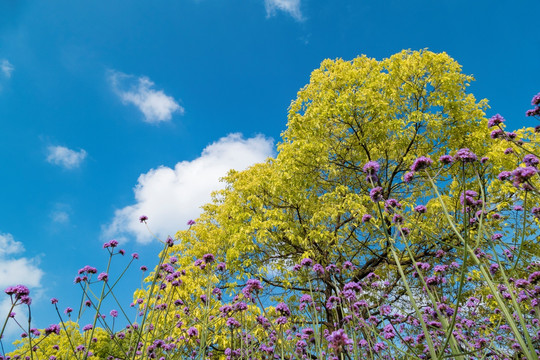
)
(6, 68)
(60, 155)
(292, 7)
(14, 271)
(61, 217)
(170, 197)
(155, 105)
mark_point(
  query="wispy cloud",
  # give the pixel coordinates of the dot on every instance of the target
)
(292, 7)
(170, 197)
(155, 105)
(61, 217)
(15, 270)
(65, 157)
(6, 68)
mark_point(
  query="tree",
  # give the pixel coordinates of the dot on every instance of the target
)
(310, 200)
(350, 191)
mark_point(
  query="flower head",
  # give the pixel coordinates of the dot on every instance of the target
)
(376, 194)
(366, 218)
(338, 340)
(535, 100)
(191, 222)
(371, 168)
(408, 177)
(446, 159)
(143, 218)
(421, 163)
(465, 155)
(530, 160)
(495, 120)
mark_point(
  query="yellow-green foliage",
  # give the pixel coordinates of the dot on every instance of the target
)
(309, 200)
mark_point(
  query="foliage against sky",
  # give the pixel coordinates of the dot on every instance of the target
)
(105, 105)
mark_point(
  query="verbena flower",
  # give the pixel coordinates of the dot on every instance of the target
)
(421, 163)
(366, 218)
(338, 340)
(495, 120)
(408, 177)
(307, 262)
(376, 194)
(446, 159)
(530, 160)
(371, 168)
(143, 218)
(465, 155)
(420, 209)
(497, 134)
(508, 151)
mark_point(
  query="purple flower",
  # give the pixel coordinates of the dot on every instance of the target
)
(484, 160)
(522, 174)
(421, 163)
(68, 310)
(495, 120)
(392, 203)
(143, 218)
(114, 313)
(497, 134)
(192, 332)
(318, 268)
(465, 155)
(19, 291)
(54, 301)
(371, 168)
(103, 276)
(508, 151)
(53, 329)
(530, 160)
(191, 222)
(338, 340)
(446, 159)
(467, 198)
(493, 268)
(504, 175)
(535, 100)
(366, 218)
(221, 266)
(283, 309)
(232, 323)
(420, 209)
(135, 256)
(408, 176)
(87, 327)
(518, 208)
(397, 219)
(252, 285)
(144, 268)
(536, 212)
(376, 194)
(307, 262)
(170, 241)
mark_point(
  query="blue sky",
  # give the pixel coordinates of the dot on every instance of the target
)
(114, 109)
